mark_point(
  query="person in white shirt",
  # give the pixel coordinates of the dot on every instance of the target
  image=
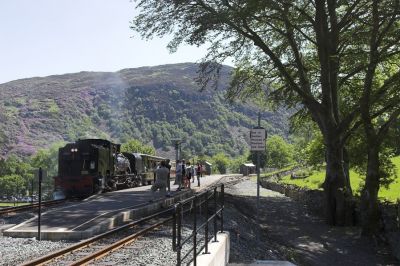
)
(161, 180)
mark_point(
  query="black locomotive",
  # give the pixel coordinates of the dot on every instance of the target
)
(95, 165)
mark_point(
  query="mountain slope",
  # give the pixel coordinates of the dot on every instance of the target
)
(152, 104)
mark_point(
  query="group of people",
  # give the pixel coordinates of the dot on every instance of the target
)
(184, 174)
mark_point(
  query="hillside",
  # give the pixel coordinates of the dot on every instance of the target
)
(152, 104)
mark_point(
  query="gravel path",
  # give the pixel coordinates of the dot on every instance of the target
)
(286, 232)
(292, 232)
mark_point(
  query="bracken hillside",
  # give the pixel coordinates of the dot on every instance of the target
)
(152, 104)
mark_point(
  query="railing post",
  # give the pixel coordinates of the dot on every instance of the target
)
(40, 174)
(215, 214)
(206, 229)
(174, 229)
(194, 231)
(398, 213)
(179, 234)
(222, 207)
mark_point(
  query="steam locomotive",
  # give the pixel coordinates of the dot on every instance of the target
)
(91, 166)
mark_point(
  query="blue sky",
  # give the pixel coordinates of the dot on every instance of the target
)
(45, 37)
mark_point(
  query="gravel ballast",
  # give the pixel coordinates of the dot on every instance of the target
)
(153, 249)
(285, 231)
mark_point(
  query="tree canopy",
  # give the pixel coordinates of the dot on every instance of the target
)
(338, 59)
(279, 152)
(134, 145)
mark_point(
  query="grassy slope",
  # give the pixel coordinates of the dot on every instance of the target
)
(392, 193)
(11, 204)
(151, 104)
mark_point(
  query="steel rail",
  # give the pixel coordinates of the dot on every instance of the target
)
(30, 206)
(50, 257)
(59, 253)
(117, 245)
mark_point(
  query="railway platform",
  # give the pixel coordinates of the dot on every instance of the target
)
(102, 212)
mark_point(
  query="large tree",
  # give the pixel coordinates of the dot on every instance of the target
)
(312, 52)
(380, 98)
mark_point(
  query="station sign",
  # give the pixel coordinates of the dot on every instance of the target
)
(257, 139)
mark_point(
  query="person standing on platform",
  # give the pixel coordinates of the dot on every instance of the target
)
(183, 179)
(198, 173)
(161, 180)
(178, 175)
(192, 172)
(188, 175)
(168, 165)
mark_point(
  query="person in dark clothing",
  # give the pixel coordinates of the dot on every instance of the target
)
(188, 175)
(168, 165)
(198, 173)
(183, 174)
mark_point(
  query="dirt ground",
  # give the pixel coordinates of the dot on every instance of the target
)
(287, 231)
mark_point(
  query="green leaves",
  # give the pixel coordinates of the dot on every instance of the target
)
(221, 162)
(11, 185)
(134, 145)
(279, 152)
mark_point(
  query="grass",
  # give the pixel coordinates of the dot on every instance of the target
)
(391, 193)
(11, 204)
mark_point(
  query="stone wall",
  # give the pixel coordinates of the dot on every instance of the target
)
(391, 224)
(314, 200)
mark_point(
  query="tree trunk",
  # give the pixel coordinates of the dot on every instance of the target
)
(338, 197)
(369, 196)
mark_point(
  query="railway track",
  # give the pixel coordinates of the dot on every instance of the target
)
(101, 245)
(229, 181)
(30, 206)
(94, 249)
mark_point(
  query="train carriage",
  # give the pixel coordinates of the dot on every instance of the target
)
(144, 165)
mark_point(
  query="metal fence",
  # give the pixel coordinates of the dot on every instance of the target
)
(210, 201)
(398, 214)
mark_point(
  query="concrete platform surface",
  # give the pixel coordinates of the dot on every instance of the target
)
(99, 213)
(218, 252)
(266, 263)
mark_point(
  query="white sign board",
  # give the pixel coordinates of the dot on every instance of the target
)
(257, 139)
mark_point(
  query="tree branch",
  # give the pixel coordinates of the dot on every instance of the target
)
(385, 127)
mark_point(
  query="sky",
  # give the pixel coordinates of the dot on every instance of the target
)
(46, 37)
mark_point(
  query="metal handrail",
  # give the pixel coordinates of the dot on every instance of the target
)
(30, 206)
(197, 202)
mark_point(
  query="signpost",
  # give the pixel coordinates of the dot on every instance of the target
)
(40, 202)
(177, 143)
(40, 174)
(257, 144)
(257, 139)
